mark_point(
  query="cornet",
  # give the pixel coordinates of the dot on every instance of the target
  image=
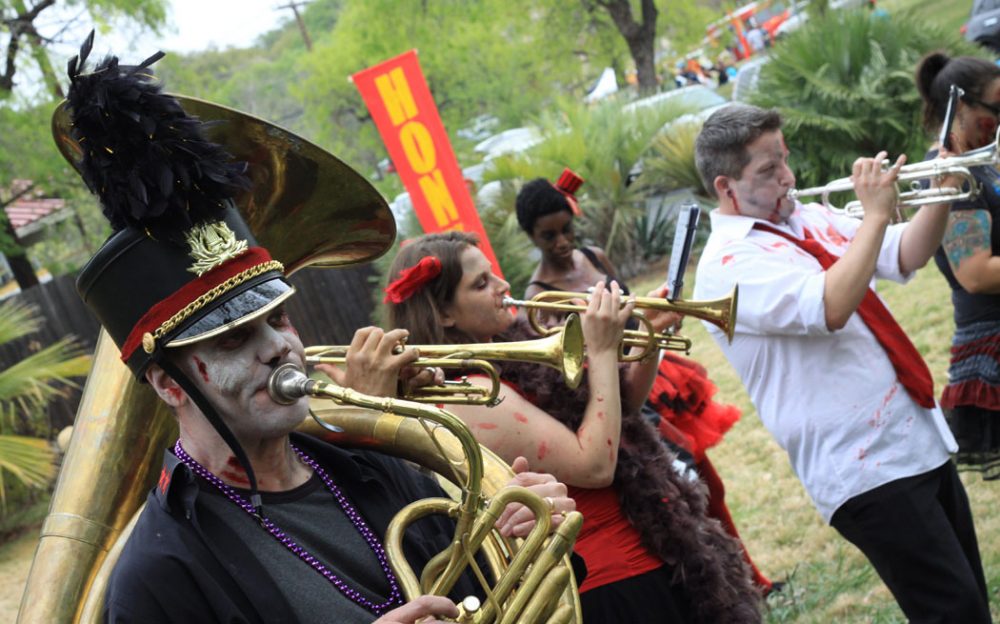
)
(719, 312)
(561, 349)
(916, 196)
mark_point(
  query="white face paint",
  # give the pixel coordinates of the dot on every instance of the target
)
(232, 370)
(762, 188)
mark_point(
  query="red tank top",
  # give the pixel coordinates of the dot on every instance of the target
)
(608, 542)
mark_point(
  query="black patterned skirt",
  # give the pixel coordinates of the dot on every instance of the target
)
(971, 399)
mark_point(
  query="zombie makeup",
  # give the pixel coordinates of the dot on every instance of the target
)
(232, 370)
(762, 188)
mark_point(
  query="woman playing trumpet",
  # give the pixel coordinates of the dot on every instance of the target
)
(968, 257)
(651, 553)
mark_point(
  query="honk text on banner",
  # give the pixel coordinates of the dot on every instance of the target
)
(400, 102)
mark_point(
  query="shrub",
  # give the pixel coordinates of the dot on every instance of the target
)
(25, 389)
(670, 164)
(603, 144)
(844, 85)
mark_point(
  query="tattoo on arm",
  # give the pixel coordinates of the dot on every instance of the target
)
(968, 233)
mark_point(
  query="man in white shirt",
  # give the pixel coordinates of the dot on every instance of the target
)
(833, 377)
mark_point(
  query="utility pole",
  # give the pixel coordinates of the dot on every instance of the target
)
(294, 6)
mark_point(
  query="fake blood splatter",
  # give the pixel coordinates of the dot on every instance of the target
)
(486, 425)
(519, 417)
(543, 450)
(235, 473)
(202, 369)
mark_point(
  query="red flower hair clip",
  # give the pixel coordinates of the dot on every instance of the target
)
(412, 279)
(567, 184)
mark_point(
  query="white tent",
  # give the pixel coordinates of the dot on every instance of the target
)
(606, 85)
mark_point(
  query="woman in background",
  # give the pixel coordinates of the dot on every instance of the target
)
(651, 553)
(680, 403)
(969, 257)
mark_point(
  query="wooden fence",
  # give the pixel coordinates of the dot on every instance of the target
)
(329, 305)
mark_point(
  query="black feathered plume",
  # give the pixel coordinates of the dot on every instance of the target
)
(143, 156)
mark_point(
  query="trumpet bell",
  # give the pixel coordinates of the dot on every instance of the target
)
(572, 351)
(561, 350)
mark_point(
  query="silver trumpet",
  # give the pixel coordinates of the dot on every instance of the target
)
(912, 175)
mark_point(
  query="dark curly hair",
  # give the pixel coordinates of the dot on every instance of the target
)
(668, 510)
(537, 199)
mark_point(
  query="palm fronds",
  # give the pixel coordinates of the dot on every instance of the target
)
(30, 460)
(844, 84)
(603, 144)
(29, 385)
(671, 164)
(17, 319)
(26, 387)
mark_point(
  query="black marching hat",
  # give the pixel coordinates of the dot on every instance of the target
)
(179, 179)
(185, 185)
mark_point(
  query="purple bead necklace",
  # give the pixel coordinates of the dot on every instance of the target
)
(395, 596)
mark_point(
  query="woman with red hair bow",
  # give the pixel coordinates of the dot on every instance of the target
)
(652, 554)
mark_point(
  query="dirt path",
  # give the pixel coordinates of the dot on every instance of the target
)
(15, 561)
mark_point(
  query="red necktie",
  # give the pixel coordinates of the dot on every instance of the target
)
(911, 370)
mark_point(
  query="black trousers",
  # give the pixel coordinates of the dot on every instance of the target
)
(918, 534)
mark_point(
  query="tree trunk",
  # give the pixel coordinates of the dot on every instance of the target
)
(645, 66)
(16, 255)
(640, 37)
(23, 272)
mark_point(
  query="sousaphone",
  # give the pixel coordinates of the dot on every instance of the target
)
(308, 208)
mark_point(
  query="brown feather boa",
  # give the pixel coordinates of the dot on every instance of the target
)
(666, 508)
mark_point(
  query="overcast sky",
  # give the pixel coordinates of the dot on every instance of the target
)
(197, 24)
(191, 25)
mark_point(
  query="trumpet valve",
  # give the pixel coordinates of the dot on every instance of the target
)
(468, 608)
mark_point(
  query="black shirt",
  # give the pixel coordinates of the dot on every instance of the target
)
(971, 307)
(185, 563)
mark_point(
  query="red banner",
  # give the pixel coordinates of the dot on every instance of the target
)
(400, 102)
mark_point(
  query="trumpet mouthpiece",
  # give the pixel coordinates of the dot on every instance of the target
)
(287, 384)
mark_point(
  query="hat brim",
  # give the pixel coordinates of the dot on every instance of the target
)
(235, 311)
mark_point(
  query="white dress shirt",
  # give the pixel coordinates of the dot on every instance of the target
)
(831, 399)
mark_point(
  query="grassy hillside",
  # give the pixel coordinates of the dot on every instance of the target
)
(949, 15)
(828, 579)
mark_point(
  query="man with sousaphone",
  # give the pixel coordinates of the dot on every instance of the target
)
(250, 522)
(832, 375)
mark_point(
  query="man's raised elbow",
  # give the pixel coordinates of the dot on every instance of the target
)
(836, 322)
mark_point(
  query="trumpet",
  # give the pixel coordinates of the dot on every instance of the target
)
(561, 349)
(531, 584)
(719, 312)
(912, 175)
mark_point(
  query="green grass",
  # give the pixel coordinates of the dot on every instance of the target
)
(950, 14)
(828, 579)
